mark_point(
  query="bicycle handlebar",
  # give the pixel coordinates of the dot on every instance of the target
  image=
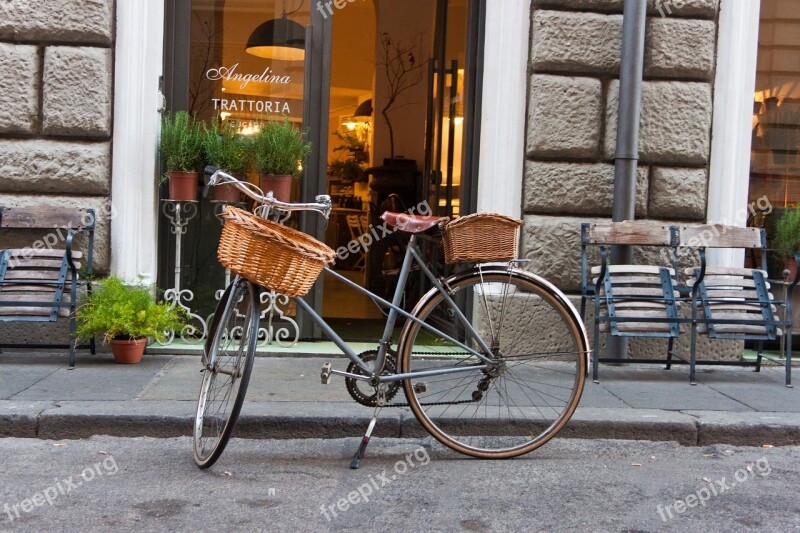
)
(322, 204)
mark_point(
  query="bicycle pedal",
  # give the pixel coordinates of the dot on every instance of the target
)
(325, 374)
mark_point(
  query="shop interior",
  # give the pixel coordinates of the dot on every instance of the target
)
(775, 157)
(383, 97)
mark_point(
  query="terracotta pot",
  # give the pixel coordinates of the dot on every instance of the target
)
(128, 352)
(281, 186)
(225, 193)
(183, 186)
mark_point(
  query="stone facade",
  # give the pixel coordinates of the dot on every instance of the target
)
(572, 121)
(574, 71)
(56, 107)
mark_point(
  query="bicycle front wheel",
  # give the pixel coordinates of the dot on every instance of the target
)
(229, 362)
(537, 349)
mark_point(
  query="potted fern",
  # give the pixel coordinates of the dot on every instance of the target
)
(787, 239)
(280, 149)
(125, 316)
(229, 151)
(181, 148)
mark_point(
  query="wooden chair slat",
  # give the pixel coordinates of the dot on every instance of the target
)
(14, 288)
(637, 304)
(636, 327)
(32, 311)
(30, 252)
(633, 291)
(630, 232)
(737, 307)
(34, 275)
(737, 329)
(633, 280)
(716, 284)
(720, 271)
(43, 297)
(632, 269)
(719, 236)
(44, 217)
(47, 263)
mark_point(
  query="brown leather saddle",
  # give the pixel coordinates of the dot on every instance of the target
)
(413, 224)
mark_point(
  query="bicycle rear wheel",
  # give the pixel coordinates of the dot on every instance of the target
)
(538, 349)
(229, 362)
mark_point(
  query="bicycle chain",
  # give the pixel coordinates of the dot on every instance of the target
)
(431, 404)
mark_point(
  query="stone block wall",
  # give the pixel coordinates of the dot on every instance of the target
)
(572, 121)
(56, 92)
(573, 86)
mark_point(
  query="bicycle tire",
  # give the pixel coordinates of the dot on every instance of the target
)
(544, 373)
(233, 335)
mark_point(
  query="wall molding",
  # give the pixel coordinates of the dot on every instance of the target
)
(504, 105)
(734, 86)
(137, 102)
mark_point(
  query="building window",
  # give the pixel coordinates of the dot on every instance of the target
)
(775, 157)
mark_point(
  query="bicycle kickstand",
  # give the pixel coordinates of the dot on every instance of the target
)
(362, 448)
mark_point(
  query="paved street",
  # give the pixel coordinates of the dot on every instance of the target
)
(142, 484)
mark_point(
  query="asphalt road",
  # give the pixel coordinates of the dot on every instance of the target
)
(118, 484)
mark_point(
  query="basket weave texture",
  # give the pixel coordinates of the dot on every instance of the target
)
(279, 258)
(480, 238)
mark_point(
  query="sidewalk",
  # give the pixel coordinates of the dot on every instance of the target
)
(40, 398)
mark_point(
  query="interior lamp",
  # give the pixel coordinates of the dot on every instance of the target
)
(281, 39)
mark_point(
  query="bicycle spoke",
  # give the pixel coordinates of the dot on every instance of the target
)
(529, 391)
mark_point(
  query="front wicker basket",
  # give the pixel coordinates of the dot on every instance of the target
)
(279, 258)
(481, 238)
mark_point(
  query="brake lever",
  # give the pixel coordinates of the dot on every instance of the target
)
(211, 183)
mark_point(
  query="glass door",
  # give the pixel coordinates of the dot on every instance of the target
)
(239, 64)
(381, 88)
(446, 110)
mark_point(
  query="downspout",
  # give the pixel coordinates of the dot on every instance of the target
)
(627, 156)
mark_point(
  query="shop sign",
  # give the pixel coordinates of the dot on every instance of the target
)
(230, 74)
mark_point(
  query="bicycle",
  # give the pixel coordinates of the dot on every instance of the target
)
(474, 375)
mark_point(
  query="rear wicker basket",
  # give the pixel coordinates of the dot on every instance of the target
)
(480, 238)
(269, 254)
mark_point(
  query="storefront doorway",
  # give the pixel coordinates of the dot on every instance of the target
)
(386, 92)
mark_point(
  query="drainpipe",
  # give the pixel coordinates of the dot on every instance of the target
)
(627, 157)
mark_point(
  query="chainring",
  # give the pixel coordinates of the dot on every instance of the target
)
(389, 367)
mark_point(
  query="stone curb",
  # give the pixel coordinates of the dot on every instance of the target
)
(293, 420)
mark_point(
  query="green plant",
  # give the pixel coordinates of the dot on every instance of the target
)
(353, 144)
(347, 170)
(181, 142)
(787, 232)
(225, 148)
(280, 148)
(119, 311)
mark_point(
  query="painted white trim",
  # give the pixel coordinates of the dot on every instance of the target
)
(138, 65)
(729, 181)
(505, 87)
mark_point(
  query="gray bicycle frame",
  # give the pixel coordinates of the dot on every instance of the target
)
(412, 254)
